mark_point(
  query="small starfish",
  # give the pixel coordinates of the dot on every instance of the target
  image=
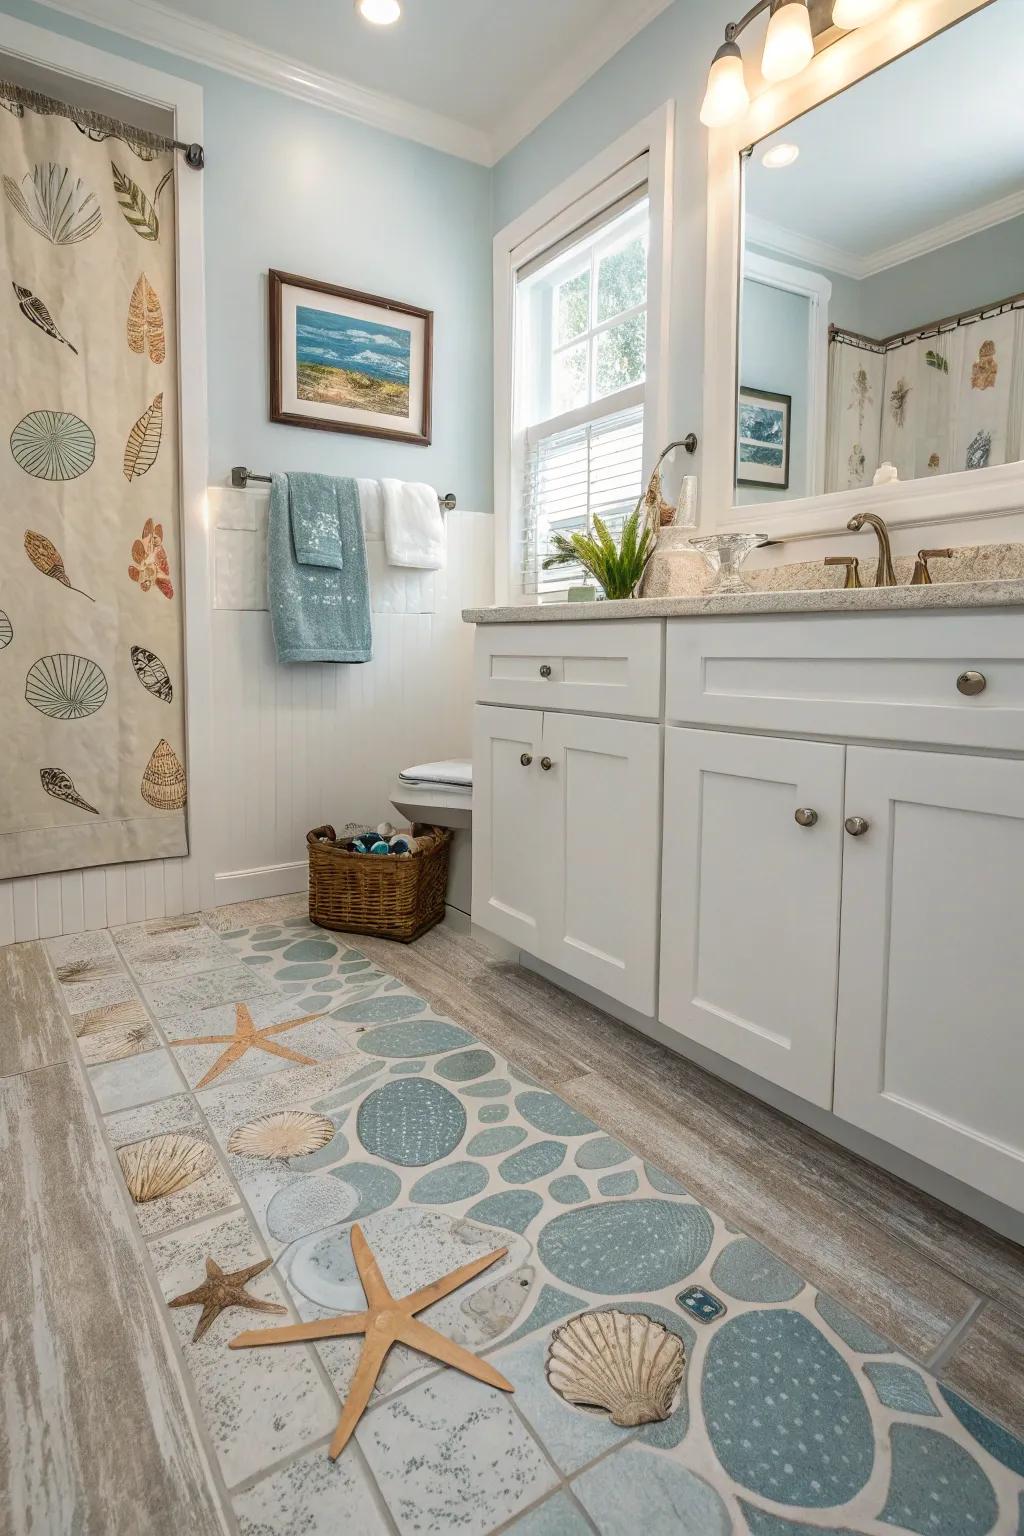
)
(247, 1037)
(387, 1320)
(220, 1291)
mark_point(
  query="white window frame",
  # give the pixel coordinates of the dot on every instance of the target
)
(607, 178)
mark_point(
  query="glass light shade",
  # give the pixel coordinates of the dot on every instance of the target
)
(849, 14)
(727, 96)
(381, 12)
(789, 42)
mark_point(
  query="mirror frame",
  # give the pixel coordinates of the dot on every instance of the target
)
(959, 496)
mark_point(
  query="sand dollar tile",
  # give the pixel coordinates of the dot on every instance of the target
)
(799, 1432)
(547, 1112)
(602, 1152)
(626, 1247)
(232, 984)
(411, 1121)
(937, 1488)
(422, 1037)
(747, 1272)
(636, 1490)
(304, 1498)
(135, 1080)
(450, 1184)
(453, 1454)
(464, 1066)
(260, 1405)
(501, 1139)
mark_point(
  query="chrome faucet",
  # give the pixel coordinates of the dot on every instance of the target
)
(885, 575)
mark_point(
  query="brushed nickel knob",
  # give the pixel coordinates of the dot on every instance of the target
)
(972, 683)
(526, 759)
(856, 826)
(545, 670)
(546, 764)
(805, 817)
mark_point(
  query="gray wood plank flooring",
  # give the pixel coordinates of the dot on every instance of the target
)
(988, 1366)
(32, 1028)
(96, 1437)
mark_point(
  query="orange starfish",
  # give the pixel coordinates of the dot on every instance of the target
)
(386, 1321)
(246, 1038)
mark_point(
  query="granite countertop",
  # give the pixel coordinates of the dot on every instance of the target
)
(948, 594)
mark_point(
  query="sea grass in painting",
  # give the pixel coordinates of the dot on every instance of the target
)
(347, 362)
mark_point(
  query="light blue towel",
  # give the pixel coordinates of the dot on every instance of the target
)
(316, 569)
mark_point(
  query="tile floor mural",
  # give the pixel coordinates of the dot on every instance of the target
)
(265, 1087)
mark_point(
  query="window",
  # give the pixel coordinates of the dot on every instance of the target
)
(580, 370)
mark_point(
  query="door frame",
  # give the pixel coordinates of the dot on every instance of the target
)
(185, 100)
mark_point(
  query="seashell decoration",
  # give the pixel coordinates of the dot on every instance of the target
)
(116, 1043)
(65, 687)
(161, 1165)
(163, 783)
(152, 673)
(53, 445)
(287, 1133)
(6, 630)
(621, 1362)
(62, 787)
(46, 557)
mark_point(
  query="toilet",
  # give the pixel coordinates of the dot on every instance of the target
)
(441, 795)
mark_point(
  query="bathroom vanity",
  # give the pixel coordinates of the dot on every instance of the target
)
(789, 828)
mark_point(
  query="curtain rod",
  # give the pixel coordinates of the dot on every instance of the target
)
(922, 333)
(139, 139)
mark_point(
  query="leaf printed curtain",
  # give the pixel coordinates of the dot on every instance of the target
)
(91, 630)
(930, 405)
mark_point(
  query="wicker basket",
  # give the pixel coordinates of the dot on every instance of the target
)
(391, 897)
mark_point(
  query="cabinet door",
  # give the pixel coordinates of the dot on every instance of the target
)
(507, 851)
(931, 997)
(599, 863)
(750, 902)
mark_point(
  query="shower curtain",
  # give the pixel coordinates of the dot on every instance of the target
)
(951, 400)
(91, 633)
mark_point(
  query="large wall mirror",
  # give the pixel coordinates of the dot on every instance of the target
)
(881, 304)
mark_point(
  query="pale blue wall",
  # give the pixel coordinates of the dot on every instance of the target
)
(291, 186)
(773, 357)
(982, 269)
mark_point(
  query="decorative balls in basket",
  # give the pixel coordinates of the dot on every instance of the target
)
(396, 897)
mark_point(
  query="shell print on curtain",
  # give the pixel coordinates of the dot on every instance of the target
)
(91, 639)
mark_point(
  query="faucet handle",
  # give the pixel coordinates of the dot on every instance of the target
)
(852, 565)
(922, 576)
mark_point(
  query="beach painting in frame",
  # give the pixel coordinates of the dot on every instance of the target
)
(763, 439)
(346, 361)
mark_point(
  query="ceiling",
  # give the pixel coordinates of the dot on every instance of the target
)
(935, 137)
(469, 76)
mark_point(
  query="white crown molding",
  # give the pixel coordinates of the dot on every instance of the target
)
(790, 242)
(584, 61)
(146, 21)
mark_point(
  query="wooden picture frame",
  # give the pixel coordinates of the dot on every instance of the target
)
(388, 396)
(762, 403)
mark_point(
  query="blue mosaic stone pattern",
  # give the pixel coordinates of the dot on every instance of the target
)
(789, 1402)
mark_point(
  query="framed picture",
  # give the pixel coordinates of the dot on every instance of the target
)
(342, 361)
(762, 439)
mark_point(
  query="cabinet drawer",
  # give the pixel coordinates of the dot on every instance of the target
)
(883, 677)
(600, 668)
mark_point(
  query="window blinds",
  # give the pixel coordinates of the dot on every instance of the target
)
(569, 477)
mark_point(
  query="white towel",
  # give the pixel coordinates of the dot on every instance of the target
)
(413, 526)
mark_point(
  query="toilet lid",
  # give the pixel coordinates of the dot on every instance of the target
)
(454, 773)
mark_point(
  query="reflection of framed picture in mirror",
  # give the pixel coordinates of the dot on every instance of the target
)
(763, 438)
(343, 361)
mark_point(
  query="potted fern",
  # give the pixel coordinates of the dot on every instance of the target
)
(619, 568)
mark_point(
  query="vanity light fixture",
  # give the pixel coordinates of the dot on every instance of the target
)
(789, 42)
(381, 12)
(850, 14)
(779, 156)
(727, 96)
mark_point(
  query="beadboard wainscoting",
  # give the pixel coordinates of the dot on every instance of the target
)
(294, 746)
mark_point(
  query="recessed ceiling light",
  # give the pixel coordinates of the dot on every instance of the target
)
(779, 156)
(381, 12)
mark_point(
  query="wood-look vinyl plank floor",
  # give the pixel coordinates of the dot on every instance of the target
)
(96, 1436)
(988, 1367)
(32, 1029)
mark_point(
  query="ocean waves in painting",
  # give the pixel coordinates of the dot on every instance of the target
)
(335, 341)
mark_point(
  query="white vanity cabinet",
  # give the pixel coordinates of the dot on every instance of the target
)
(836, 802)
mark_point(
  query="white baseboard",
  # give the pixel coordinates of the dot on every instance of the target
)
(251, 884)
(991, 1213)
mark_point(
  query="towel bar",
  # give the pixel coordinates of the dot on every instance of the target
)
(240, 477)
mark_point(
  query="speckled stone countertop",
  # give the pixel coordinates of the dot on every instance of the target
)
(944, 595)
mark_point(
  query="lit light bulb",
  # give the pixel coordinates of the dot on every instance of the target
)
(849, 14)
(789, 43)
(779, 156)
(727, 96)
(381, 12)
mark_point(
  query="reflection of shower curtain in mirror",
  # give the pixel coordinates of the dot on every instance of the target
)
(946, 402)
(91, 691)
